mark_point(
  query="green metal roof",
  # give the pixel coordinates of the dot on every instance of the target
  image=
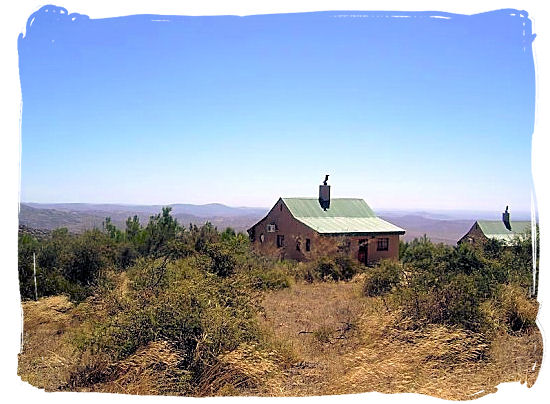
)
(345, 215)
(496, 229)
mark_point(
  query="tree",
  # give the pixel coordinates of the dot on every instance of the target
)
(159, 231)
(113, 232)
(227, 234)
(84, 262)
(133, 228)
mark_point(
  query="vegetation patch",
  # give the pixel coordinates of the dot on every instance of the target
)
(174, 310)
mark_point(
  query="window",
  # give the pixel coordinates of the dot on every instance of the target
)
(261, 238)
(252, 234)
(382, 244)
(281, 207)
(280, 241)
(298, 245)
(271, 228)
(308, 244)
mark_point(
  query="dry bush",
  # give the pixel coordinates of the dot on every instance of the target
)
(442, 361)
(46, 354)
(509, 311)
(520, 312)
(383, 351)
(249, 369)
(153, 369)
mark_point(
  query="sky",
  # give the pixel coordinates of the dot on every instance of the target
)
(404, 110)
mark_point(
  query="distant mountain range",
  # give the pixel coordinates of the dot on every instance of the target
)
(81, 216)
(447, 231)
(440, 226)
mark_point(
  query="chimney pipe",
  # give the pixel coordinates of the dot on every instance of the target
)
(324, 194)
(506, 219)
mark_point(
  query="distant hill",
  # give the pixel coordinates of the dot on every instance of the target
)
(49, 219)
(78, 217)
(217, 210)
(447, 231)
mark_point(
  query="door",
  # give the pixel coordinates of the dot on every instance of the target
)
(363, 254)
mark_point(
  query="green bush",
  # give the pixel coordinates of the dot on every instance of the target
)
(480, 288)
(65, 264)
(197, 312)
(382, 278)
(347, 267)
(85, 259)
(340, 267)
(223, 262)
(126, 255)
(269, 279)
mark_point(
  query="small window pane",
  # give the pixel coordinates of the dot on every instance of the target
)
(382, 244)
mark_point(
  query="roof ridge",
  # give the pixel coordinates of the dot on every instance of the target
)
(312, 197)
(500, 220)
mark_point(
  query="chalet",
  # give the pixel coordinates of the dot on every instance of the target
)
(503, 230)
(305, 228)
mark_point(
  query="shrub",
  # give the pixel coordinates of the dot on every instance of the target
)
(84, 260)
(126, 255)
(478, 288)
(198, 313)
(27, 246)
(223, 261)
(336, 268)
(517, 309)
(323, 334)
(347, 267)
(269, 279)
(382, 278)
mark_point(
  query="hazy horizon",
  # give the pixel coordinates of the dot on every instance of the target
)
(454, 213)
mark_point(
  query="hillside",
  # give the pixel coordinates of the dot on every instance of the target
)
(80, 216)
(49, 219)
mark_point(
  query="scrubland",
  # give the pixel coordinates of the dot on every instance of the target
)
(163, 309)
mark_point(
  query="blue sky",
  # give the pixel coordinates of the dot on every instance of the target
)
(418, 112)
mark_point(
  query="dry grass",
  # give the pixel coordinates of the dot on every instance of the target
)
(449, 363)
(46, 355)
(153, 369)
(382, 354)
(248, 370)
(321, 338)
(319, 323)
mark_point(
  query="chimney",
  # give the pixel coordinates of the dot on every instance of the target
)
(324, 194)
(506, 219)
